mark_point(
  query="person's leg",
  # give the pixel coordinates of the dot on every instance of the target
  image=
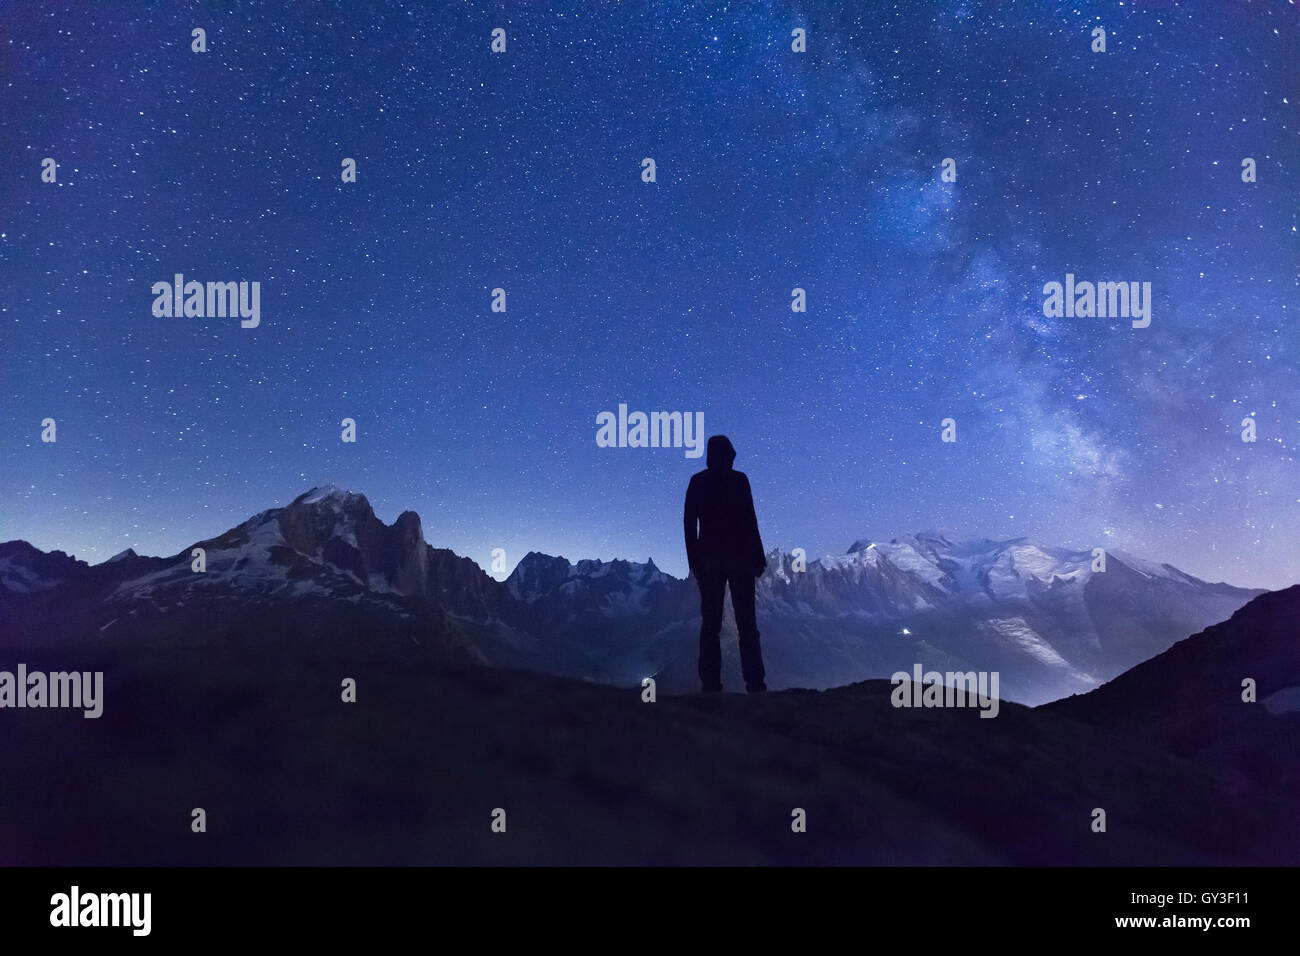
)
(711, 594)
(751, 654)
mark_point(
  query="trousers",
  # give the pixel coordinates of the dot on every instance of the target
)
(713, 588)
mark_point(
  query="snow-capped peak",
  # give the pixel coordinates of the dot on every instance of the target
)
(1153, 570)
(328, 492)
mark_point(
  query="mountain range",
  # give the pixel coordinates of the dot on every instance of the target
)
(326, 568)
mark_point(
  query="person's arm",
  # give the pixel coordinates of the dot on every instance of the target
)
(690, 521)
(759, 557)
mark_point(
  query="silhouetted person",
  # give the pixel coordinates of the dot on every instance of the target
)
(724, 550)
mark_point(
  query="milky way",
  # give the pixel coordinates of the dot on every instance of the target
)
(775, 170)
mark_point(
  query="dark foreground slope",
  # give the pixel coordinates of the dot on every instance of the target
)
(1190, 702)
(254, 732)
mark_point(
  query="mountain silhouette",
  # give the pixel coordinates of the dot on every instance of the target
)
(326, 567)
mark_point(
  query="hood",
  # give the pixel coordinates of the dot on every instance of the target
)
(720, 453)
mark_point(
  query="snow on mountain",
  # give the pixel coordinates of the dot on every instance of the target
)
(928, 570)
(536, 575)
(1041, 616)
(333, 494)
(327, 543)
(612, 589)
(27, 570)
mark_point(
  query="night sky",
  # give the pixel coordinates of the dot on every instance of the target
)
(775, 170)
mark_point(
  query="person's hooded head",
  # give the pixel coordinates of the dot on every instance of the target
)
(720, 454)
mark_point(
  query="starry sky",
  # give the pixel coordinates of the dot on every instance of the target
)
(775, 170)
